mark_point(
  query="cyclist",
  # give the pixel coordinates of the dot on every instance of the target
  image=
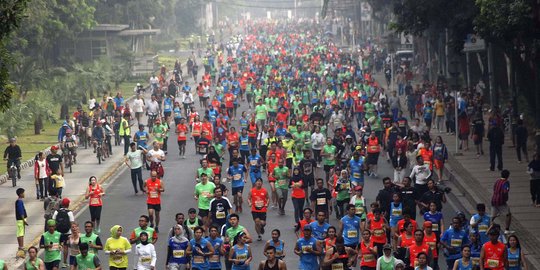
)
(98, 135)
(13, 155)
(154, 82)
(152, 110)
(69, 144)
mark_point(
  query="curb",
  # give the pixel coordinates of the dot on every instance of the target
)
(24, 165)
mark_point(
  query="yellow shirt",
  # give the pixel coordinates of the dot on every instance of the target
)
(289, 146)
(121, 243)
(439, 108)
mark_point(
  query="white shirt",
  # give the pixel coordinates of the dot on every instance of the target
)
(422, 173)
(70, 215)
(154, 80)
(146, 256)
(42, 169)
(138, 105)
(187, 98)
(155, 156)
(152, 107)
(206, 92)
(317, 141)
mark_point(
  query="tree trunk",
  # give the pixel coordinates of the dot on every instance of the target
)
(63, 111)
(38, 125)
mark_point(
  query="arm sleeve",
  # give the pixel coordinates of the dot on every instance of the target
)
(96, 261)
(169, 254)
(154, 258)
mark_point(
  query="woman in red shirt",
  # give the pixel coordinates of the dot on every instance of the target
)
(232, 140)
(94, 193)
(298, 194)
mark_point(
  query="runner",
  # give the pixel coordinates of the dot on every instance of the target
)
(33, 262)
(146, 253)
(135, 237)
(156, 156)
(240, 254)
(135, 158)
(272, 261)
(255, 162)
(182, 130)
(281, 174)
(200, 250)
(349, 227)
(95, 192)
(204, 193)
(177, 258)
(308, 249)
(220, 208)
(277, 244)
(258, 201)
(91, 238)
(321, 198)
(50, 242)
(214, 262)
(154, 187)
(86, 260)
(236, 172)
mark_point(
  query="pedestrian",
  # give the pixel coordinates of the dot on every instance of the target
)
(58, 183)
(94, 193)
(258, 200)
(272, 261)
(41, 176)
(135, 158)
(146, 253)
(117, 247)
(177, 258)
(63, 218)
(521, 140)
(499, 206)
(20, 216)
(50, 205)
(125, 131)
(154, 187)
(534, 171)
(33, 262)
(55, 161)
(496, 140)
(440, 156)
(50, 243)
(464, 130)
(399, 162)
(478, 133)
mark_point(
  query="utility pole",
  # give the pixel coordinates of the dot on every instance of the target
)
(492, 94)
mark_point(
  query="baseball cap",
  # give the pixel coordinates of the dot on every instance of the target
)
(358, 188)
(54, 147)
(387, 246)
(427, 224)
(192, 210)
(65, 202)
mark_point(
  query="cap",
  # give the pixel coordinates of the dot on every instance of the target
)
(51, 222)
(387, 246)
(69, 130)
(348, 137)
(400, 262)
(192, 210)
(307, 228)
(65, 202)
(54, 147)
(12, 139)
(358, 188)
(427, 224)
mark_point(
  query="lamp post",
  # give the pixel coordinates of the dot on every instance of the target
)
(392, 43)
(453, 71)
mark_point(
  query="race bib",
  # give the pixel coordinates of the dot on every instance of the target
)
(337, 266)
(455, 242)
(244, 142)
(205, 194)
(369, 257)
(306, 248)
(182, 134)
(482, 228)
(198, 259)
(356, 175)
(178, 253)
(282, 182)
(241, 257)
(435, 227)
(259, 204)
(146, 259)
(359, 210)
(55, 246)
(153, 194)
(94, 200)
(396, 212)
(118, 259)
(378, 232)
(220, 215)
(492, 263)
(352, 234)
(214, 258)
(321, 201)
(254, 162)
(513, 262)
(475, 261)
(237, 176)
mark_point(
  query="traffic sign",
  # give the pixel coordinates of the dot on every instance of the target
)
(474, 43)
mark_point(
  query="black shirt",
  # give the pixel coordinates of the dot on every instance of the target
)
(409, 197)
(12, 152)
(385, 198)
(320, 197)
(307, 168)
(54, 161)
(433, 196)
(221, 206)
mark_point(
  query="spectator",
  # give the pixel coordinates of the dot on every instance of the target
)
(521, 140)
(496, 140)
(41, 176)
(534, 171)
(477, 134)
(499, 200)
(20, 215)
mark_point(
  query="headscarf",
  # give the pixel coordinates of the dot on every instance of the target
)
(146, 241)
(180, 238)
(114, 231)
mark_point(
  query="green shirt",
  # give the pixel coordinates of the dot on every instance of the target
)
(29, 265)
(281, 175)
(261, 111)
(209, 172)
(343, 193)
(360, 207)
(219, 148)
(330, 155)
(90, 261)
(160, 132)
(87, 239)
(53, 253)
(149, 230)
(232, 232)
(205, 193)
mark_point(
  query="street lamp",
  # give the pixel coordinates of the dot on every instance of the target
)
(453, 70)
(392, 43)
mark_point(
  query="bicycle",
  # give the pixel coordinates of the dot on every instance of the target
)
(151, 120)
(68, 160)
(99, 152)
(12, 173)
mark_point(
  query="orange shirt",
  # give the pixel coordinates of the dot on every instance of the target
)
(182, 131)
(153, 195)
(431, 241)
(298, 192)
(232, 140)
(414, 250)
(208, 130)
(196, 129)
(259, 200)
(378, 233)
(401, 222)
(494, 255)
(406, 242)
(368, 258)
(271, 166)
(373, 145)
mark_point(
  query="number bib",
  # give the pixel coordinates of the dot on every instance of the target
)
(146, 259)
(198, 259)
(220, 215)
(455, 242)
(178, 253)
(337, 266)
(321, 201)
(492, 263)
(352, 233)
(237, 177)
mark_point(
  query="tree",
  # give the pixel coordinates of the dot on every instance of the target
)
(26, 75)
(40, 104)
(12, 13)
(15, 119)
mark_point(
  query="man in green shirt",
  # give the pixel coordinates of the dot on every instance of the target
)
(143, 227)
(50, 241)
(235, 229)
(90, 238)
(281, 174)
(86, 260)
(261, 114)
(204, 169)
(329, 157)
(204, 193)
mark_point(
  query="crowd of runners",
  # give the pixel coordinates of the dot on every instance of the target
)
(318, 124)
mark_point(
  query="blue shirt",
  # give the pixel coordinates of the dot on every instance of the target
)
(244, 143)
(177, 249)
(142, 138)
(482, 224)
(195, 257)
(254, 162)
(435, 220)
(242, 254)
(351, 229)
(177, 112)
(215, 261)
(308, 260)
(357, 174)
(279, 248)
(456, 239)
(167, 105)
(319, 232)
(281, 132)
(513, 259)
(237, 173)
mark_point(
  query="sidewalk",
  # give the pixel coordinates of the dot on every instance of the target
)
(76, 183)
(472, 183)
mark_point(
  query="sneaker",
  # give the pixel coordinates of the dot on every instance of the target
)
(65, 265)
(509, 232)
(157, 229)
(262, 230)
(259, 238)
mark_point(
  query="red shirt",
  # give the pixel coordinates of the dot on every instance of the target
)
(368, 258)
(431, 241)
(182, 131)
(494, 253)
(401, 222)
(379, 234)
(414, 250)
(95, 195)
(153, 195)
(196, 129)
(259, 200)
(406, 242)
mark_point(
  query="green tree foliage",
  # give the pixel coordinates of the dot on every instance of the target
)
(11, 15)
(504, 21)
(15, 119)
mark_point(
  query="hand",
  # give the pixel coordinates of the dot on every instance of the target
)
(25, 223)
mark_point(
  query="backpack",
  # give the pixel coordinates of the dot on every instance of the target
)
(63, 224)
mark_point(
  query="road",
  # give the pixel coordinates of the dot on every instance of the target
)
(122, 207)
